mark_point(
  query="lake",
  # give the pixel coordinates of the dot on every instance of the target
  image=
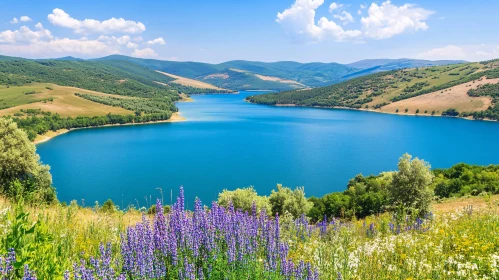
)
(228, 143)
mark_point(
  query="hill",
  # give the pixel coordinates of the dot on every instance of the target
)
(468, 90)
(392, 64)
(278, 76)
(52, 95)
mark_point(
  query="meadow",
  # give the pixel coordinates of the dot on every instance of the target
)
(55, 99)
(102, 242)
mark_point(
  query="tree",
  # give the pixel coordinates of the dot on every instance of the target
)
(410, 185)
(396, 111)
(406, 110)
(21, 173)
(285, 200)
(417, 111)
(243, 199)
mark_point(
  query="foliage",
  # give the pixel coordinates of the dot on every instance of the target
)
(243, 199)
(89, 75)
(22, 176)
(141, 105)
(463, 179)
(218, 243)
(378, 90)
(451, 112)
(284, 200)
(40, 125)
(410, 185)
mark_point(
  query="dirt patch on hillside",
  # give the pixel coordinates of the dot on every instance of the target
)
(188, 82)
(456, 97)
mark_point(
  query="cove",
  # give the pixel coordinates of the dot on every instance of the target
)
(228, 143)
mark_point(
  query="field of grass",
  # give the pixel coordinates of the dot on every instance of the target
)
(459, 241)
(455, 97)
(55, 99)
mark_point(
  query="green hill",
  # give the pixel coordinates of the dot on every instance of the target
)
(279, 76)
(448, 87)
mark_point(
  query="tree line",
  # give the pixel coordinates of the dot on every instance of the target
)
(39, 125)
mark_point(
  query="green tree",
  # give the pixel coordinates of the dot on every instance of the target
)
(243, 199)
(417, 111)
(396, 111)
(410, 185)
(285, 200)
(406, 110)
(21, 173)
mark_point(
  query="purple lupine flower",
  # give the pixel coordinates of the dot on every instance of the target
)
(188, 244)
(28, 274)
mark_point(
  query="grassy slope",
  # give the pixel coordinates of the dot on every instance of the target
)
(64, 102)
(309, 74)
(385, 90)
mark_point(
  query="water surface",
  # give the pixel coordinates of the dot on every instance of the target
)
(228, 143)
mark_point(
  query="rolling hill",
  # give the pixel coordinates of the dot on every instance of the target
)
(254, 75)
(467, 90)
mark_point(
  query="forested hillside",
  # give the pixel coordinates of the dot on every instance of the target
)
(41, 95)
(451, 87)
(247, 75)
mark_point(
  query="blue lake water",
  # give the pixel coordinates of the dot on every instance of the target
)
(228, 143)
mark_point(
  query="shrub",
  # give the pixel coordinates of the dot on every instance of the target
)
(243, 199)
(410, 185)
(22, 176)
(293, 202)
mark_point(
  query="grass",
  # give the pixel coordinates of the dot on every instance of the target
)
(459, 242)
(64, 102)
(439, 101)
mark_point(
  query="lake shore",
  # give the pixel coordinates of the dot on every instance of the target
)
(176, 117)
(374, 111)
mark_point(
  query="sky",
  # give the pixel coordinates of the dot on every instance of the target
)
(261, 30)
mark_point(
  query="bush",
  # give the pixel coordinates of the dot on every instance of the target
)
(293, 202)
(22, 176)
(243, 199)
(410, 185)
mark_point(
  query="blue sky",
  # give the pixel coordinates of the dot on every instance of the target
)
(263, 30)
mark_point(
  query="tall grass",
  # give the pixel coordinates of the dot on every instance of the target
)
(59, 242)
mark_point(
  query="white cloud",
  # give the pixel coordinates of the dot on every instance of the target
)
(478, 52)
(387, 20)
(145, 53)
(112, 25)
(14, 21)
(362, 6)
(382, 21)
(447, 52)
(334, 6)
(25, 19)
(299, 22)
(132, 45)
(123, 40)
(345, 17)
(60, 47)
(41, 43)
(25, 35)
(159, 41)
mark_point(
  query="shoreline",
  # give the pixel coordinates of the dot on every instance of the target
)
(373, 111)
(176, 117)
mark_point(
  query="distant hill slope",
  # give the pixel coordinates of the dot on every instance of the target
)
(255, 75)
(393, 64)
(462, 84)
